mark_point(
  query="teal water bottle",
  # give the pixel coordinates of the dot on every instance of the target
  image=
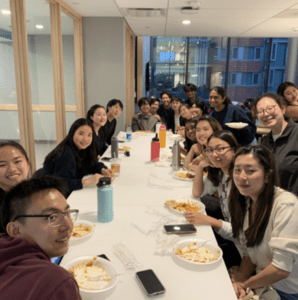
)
(105, 212)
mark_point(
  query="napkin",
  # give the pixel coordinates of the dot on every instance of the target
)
(165, 243)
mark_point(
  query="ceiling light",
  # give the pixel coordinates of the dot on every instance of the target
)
(295, 29)
(39, 26)
(145, 12)
(5, 12)
(186, 22)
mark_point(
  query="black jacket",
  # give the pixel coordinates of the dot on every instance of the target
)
(285, 150)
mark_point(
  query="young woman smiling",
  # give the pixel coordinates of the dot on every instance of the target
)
(14, 166)
(190, 135)
(76, 157)
(205, 127)
(185, 113)
(282, 140)
(98, 117)
(144, 121)
(264, 221)
(224, 112)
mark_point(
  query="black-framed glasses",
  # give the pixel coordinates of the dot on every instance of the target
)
(269, 110)
(56, 218)
(218, 151)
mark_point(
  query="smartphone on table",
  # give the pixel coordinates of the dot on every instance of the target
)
(180, 229)
(150, 283)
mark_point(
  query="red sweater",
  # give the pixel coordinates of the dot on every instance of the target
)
(26, 272)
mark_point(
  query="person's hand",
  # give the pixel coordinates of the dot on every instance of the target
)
(237, 276)
(196, 218)
(135, 116)
(181, 131)
(157, 117)
(239, 290)
(206, 163)
(192, 167)
(195, 149)
(91, 180)
(107, 173)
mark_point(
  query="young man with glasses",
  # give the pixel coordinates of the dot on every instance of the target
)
(36, 225)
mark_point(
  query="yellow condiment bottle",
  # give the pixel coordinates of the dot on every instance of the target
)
(162, 135)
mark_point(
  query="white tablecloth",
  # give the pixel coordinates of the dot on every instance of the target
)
(141, 185)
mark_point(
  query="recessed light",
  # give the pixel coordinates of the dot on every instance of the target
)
(186, 22)
(39, 26)
(295, 29)
(5, 12)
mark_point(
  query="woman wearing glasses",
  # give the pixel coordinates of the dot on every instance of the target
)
(282, 140)
(220, 150)
(75, 157)
(14, 166)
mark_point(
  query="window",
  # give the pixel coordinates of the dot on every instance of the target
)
(235, 53)
(223, 53)
(273, 51)
(233, 78)
(258, 53)
(248, 53)
(256, 78)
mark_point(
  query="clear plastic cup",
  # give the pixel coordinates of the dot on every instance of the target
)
(115, 166)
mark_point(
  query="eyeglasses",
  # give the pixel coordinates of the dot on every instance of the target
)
(218, 151)
(55, 219)
(269, 110)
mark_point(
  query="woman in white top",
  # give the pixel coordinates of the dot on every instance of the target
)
(264, 220)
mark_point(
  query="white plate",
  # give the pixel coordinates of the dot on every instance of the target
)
(195, 202)
(143, 133)
(212, 247)
(170, 157)
(236, 125)
(108, 266)
(176, 137)
(184, 179)
(76, 240)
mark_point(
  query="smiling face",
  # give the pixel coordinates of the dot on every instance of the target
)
(176, 105)
(115, 110)
(154, 107)
(269, 113)
(249, 176)
(224, 159)
(14, 167)
(291, 94)
(52, 240)
(165, 99)
(83, 137)
(203, 131)
(216, 101)
(99, 117)
(190, 131)
(191, 95)
(145, 108)
(185, 112)
(196, 111)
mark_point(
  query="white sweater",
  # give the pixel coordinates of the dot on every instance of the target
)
(280, 242)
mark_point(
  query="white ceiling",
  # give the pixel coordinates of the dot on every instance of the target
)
(242, 18)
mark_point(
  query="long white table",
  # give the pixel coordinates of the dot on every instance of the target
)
(133, 194)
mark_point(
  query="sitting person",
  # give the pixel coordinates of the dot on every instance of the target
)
(190, 135)
(98, 117)
(185, 113)
(154, 106)
(75, 157)
(190, 92)
(36, 225)
(14, 166)
(165, 110)
(264, 221)
(176, 122)
(205, 127)
(198, 108)
(144, 121)
(289, 91)
(114, 109)
(220, 150)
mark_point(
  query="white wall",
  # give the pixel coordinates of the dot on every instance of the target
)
(104, 62)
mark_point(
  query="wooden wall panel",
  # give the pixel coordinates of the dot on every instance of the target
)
(139, 67)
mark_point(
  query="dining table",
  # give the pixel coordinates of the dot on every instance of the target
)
(139, 194)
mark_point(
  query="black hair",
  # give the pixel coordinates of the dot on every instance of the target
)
(153, 100)
(18, 199)
(178, 99)
(143, 101)
(114, 102)
(15, 145)
(200, 104)
(282, 87)
(215, 174)
(166, 93)
(84, 158)
(190, 87)
(223, 93)
(188, 143)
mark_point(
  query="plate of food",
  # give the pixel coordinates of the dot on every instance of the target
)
(181, 206)
(237, 125)
(142, 133)
(82, 230)
(177, 137)
(184, 175)
(123, 149)
(197, 251)
(93, 274)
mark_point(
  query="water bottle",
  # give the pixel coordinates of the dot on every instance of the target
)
(157, 126)
(128, 134)
(162, 136)
(105, 212)
(176, 160)
(155, 148)
(114, 147)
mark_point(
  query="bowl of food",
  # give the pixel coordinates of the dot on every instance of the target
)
(181, 206)
(184, 175)
(122, 149)
(94, 275)
(82, 231)
(197, 252)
